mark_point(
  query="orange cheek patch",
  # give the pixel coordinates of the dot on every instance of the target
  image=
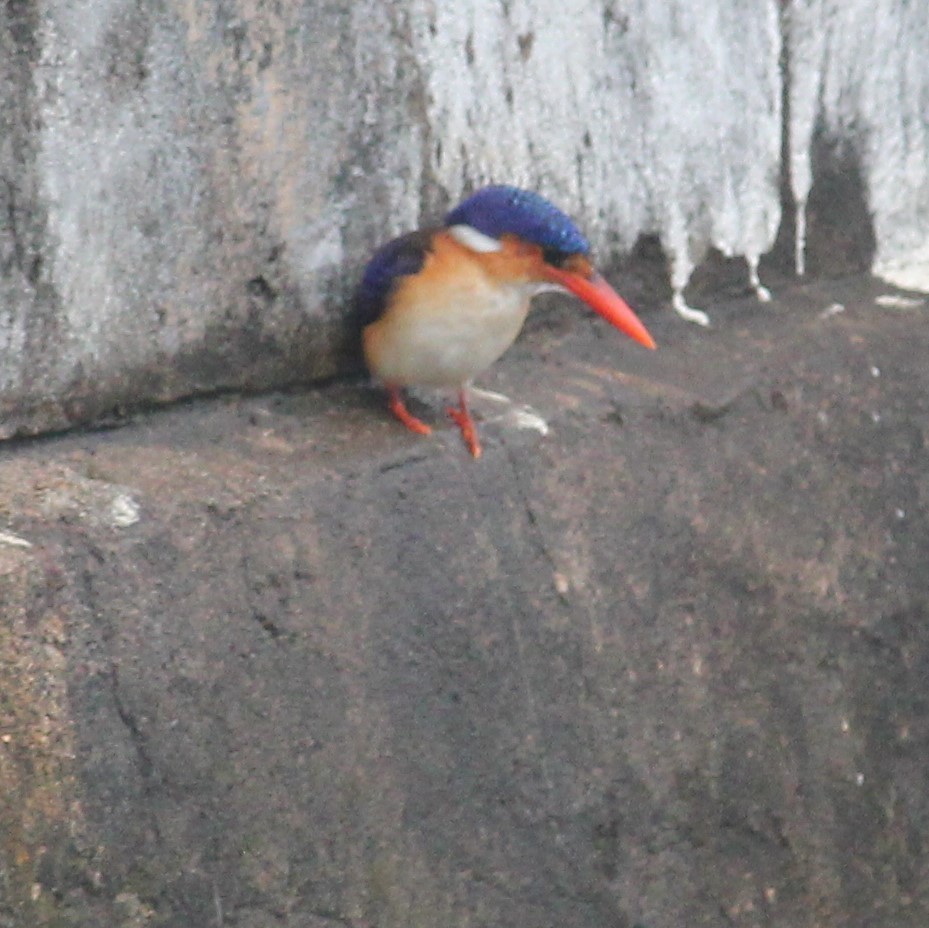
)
(517, 262)
(578, 264)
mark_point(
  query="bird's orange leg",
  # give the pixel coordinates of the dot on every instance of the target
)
(396, 405)
(462, 417)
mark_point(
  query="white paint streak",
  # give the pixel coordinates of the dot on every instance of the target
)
(688, 313)
(897, 301)
(490, 395)
(13, 541)
(762, 292)
(524, 417)
(518, 416)
(800, 236)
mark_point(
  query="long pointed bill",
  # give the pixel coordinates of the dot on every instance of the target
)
(604, 301)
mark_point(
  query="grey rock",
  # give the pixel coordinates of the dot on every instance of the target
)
(275, 661)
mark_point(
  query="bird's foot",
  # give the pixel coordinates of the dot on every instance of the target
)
(462, 418)
(396, 405)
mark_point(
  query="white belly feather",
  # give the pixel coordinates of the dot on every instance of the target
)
(446, 340)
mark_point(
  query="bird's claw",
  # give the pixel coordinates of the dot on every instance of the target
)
(398, 408)
(465, 423)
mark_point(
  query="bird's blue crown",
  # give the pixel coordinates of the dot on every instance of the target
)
(501, 209)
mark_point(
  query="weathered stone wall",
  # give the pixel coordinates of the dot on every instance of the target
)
(858, 105)
(188, 189)
(274, 661)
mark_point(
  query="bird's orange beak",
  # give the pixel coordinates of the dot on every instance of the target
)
(601, 298)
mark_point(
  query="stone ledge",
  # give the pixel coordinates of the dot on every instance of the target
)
(664, 665)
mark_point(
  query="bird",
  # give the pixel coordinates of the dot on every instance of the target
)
(439, 305)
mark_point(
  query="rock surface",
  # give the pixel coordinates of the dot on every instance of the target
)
(273, 661)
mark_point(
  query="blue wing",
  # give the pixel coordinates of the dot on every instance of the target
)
(398, 258)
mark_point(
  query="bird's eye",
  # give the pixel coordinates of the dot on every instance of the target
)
(554, 257)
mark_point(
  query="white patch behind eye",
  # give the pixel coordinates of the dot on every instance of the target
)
(476, 241)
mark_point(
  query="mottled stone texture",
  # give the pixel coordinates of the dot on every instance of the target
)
(277, 662)
(188, 189)
(858, 85)
(184, 188)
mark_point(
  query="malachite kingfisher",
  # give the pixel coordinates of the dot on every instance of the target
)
(440, 305)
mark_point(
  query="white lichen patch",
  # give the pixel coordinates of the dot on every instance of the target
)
(91, 499)
(124, 511)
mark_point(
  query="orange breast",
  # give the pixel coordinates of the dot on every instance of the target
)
(449, 322)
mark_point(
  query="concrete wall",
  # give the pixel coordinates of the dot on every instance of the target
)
(858, 85)
(188, 189)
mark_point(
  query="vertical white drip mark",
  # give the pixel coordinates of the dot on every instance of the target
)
(762, 292)
(800, 238)
(688, 313)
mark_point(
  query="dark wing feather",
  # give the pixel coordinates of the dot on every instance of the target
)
(399, 258)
